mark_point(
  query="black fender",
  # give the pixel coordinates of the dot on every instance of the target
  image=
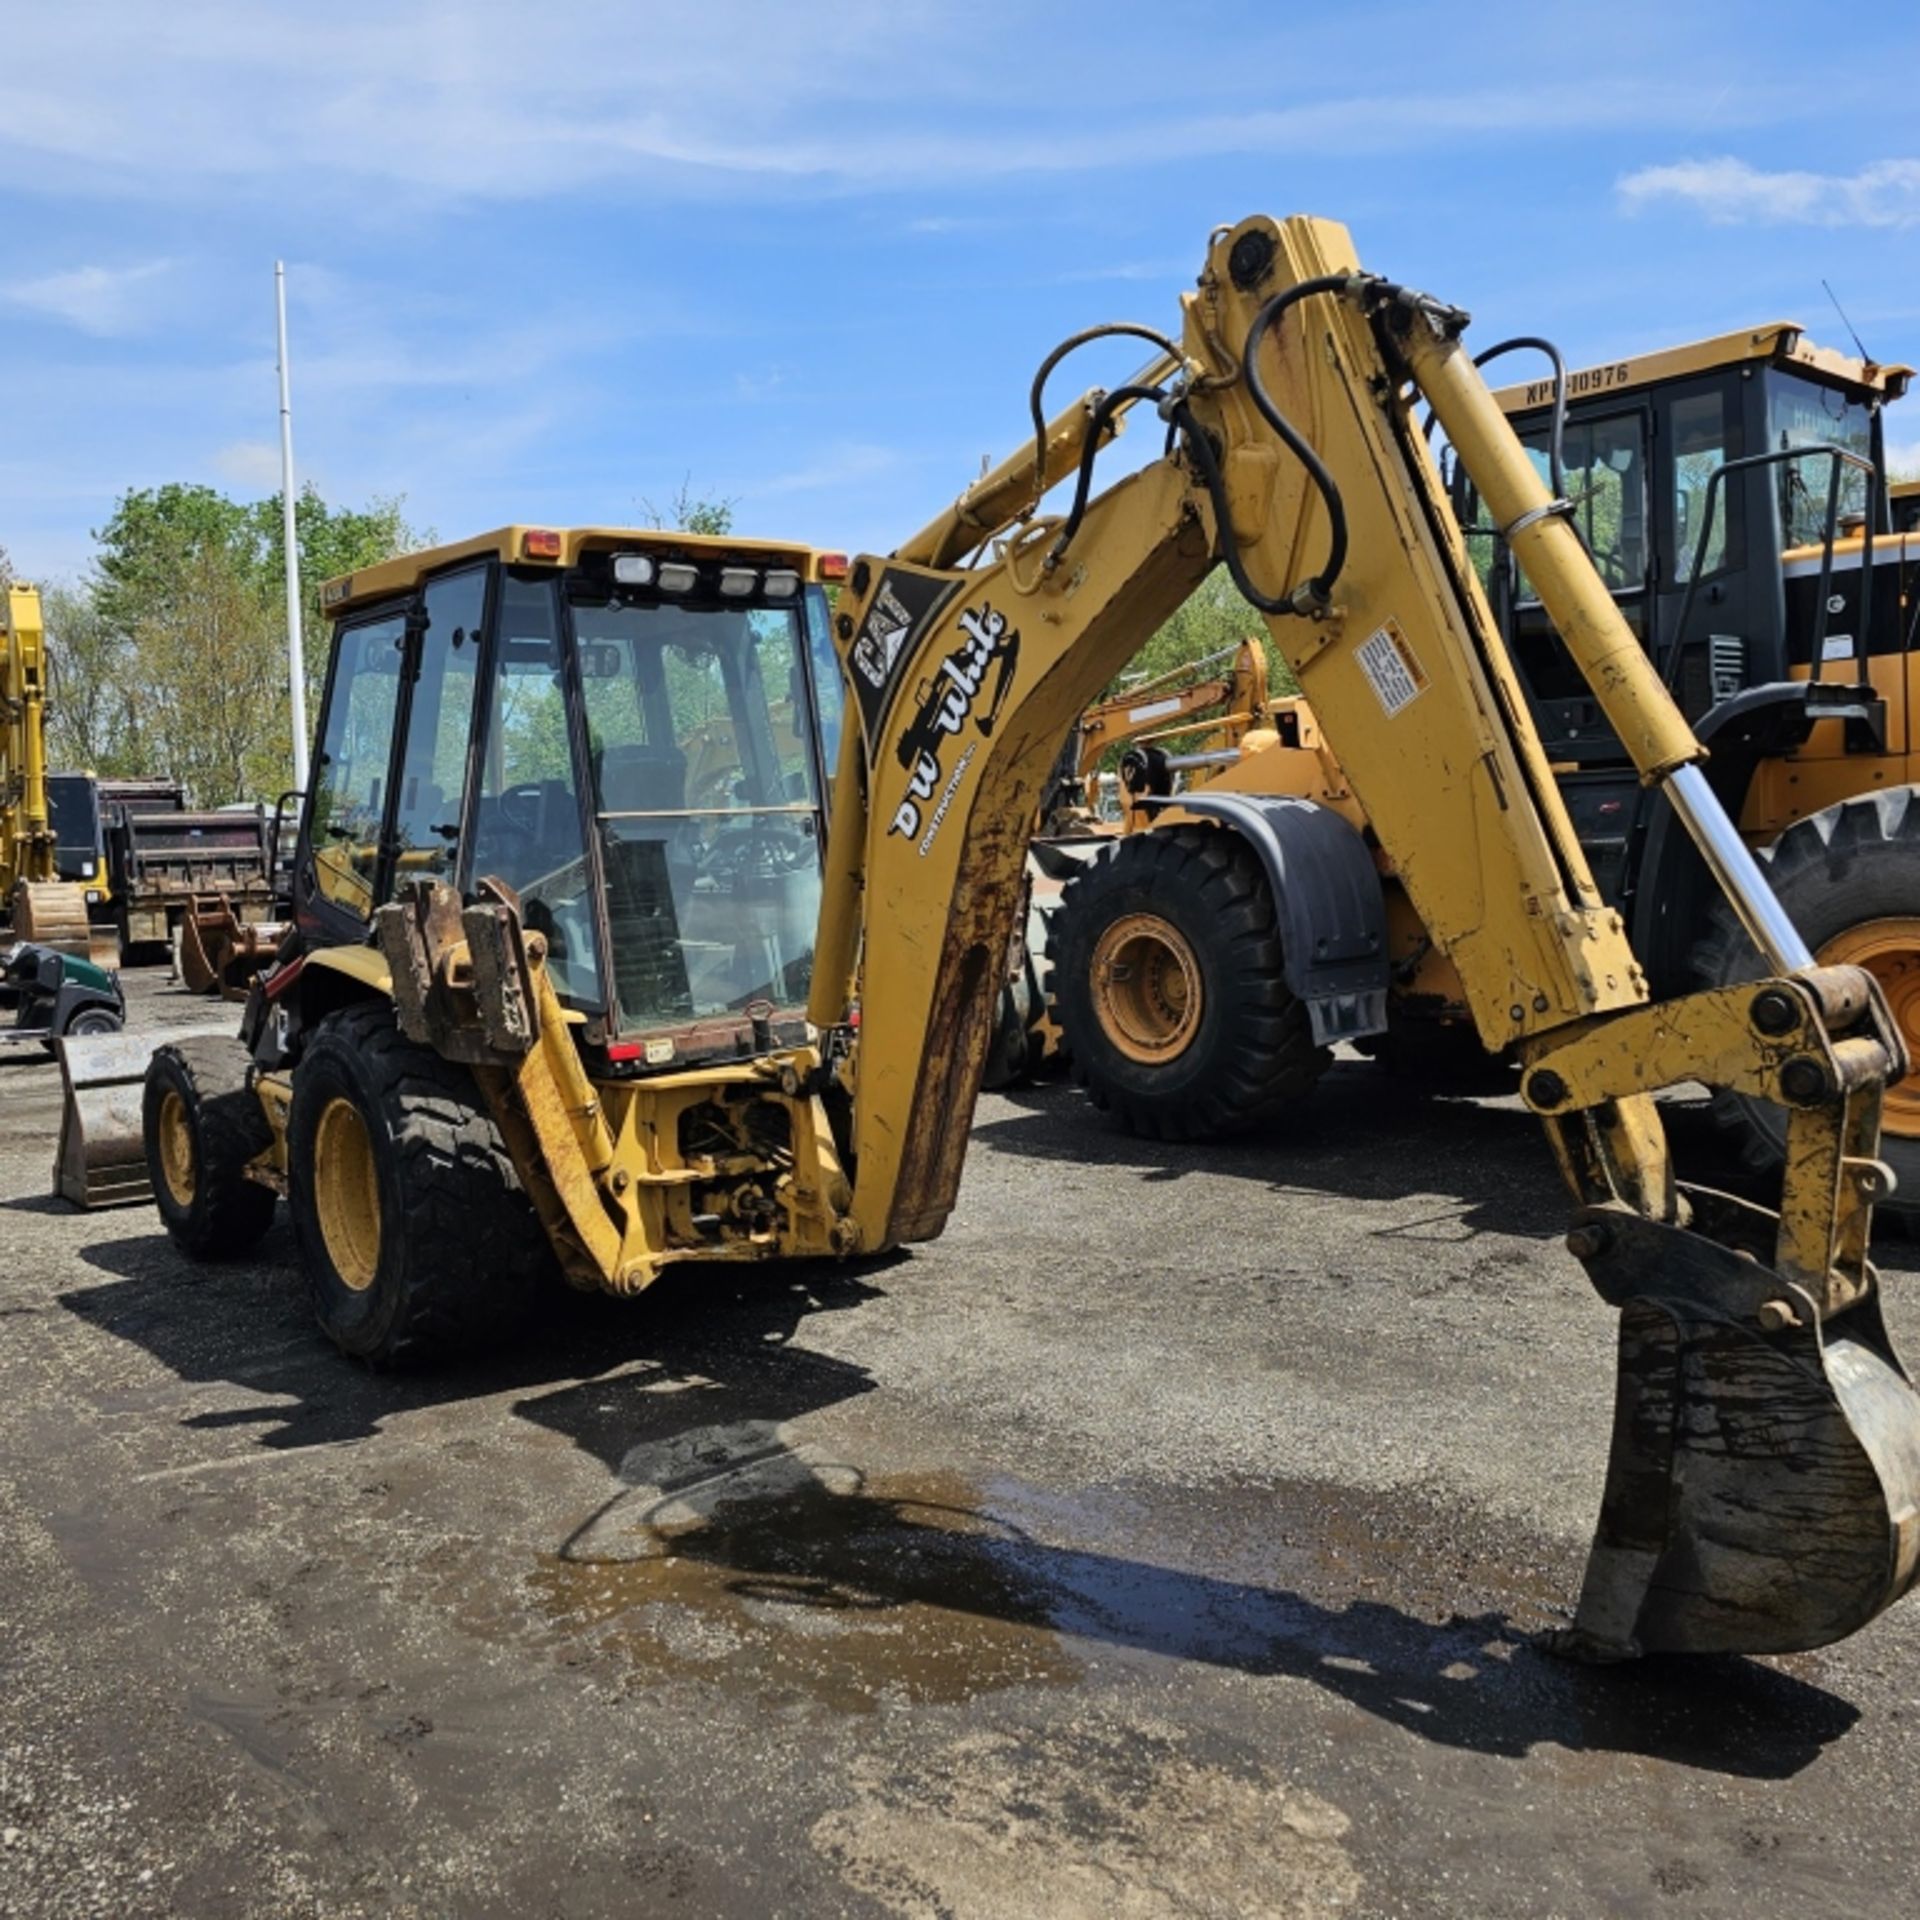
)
(1670, 885)
(1327, 904)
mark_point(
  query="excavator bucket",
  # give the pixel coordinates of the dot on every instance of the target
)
(102, 1159)
(51, 913)
(220, 953)
(1763, 1491)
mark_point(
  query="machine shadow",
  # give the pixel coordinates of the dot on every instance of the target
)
(248, 1324)
(705, 1486)
(1364, 1135)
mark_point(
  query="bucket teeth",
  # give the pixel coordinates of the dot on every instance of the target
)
(1763, 1490)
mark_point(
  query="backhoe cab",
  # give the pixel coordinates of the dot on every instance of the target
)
(578, 1008)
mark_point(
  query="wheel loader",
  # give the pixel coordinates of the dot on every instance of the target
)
(1731, 495)
(546, 1009)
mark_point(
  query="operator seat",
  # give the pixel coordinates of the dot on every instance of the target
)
(650, 865)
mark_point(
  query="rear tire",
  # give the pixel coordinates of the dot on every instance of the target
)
(417, 1238)
(1849, 878)
(202, 1124)
(1172, 992)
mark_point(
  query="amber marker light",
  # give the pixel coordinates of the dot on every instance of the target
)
(833, 566)
(540, 543)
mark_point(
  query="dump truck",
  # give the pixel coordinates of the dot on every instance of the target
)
(1731, 493)
(550, 1012)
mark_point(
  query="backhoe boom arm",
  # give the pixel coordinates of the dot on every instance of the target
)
(1295, 457)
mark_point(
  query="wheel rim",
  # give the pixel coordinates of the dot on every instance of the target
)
(1889, 950)
(176, 1148)
(346, 1193)
(1147, 992)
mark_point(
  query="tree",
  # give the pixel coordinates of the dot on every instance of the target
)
(1215, 616)
(216, 670)
(184, 617)
(691, 512)
(94, 718)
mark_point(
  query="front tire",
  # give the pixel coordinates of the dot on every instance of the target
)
(1172, 990)
(1849, 878)
(202, 1124)
(417, 1238)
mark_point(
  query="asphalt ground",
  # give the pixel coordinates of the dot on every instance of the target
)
(1166, 1540)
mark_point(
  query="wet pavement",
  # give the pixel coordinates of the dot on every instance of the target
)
(1167, 1540)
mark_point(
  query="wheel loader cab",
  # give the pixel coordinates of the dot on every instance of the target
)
(631, 732)
(1706, 482)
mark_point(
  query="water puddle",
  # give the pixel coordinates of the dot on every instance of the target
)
(766, 1567)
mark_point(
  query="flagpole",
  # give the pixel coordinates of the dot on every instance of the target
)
(296, 661)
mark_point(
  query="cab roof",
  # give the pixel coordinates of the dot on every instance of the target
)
(1781, 343)
(562, 547)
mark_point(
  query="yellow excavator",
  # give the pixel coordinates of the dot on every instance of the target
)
(40, 907)
(608, 1031)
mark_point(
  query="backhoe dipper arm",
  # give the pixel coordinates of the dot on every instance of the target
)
(1766, 1467)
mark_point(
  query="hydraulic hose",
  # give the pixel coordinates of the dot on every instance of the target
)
(1557, 425)
(1317, 593)
(1126, 329)
(1083, 483)
(1200, 450)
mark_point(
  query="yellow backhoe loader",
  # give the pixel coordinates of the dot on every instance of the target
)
(33, 899)
(1205, 710)
(569, 1019)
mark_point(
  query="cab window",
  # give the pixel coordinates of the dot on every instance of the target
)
(1698, 427)
(1606, 480)
(350, 774)
(528, 827)
(433, 772)
(1803, 413)
(700, 723)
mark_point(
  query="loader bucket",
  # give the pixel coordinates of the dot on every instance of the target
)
(102, 1160)
(1763, 1490)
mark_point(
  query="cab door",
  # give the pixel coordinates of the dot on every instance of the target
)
(389, 781)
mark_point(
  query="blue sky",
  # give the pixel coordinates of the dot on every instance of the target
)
(547, 261)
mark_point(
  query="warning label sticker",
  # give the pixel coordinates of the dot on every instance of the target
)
(1396, 677)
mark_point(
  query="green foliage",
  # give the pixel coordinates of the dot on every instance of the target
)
(691, 512)
(1216, 616)
(171, 656)
(95, 721)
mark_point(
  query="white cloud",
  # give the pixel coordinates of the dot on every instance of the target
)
(1730, 193)
(754, 387)
(838, 468)
(97, 300)
(253, 464)
(424, 104)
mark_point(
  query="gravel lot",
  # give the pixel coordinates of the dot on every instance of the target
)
(1164, 1541)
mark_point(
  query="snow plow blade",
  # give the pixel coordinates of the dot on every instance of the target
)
(1763, 1490)
(102, 1158)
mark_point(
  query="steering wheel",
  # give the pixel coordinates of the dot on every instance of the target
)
(777, 849)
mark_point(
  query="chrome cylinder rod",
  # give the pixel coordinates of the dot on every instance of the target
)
(1737, 871)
